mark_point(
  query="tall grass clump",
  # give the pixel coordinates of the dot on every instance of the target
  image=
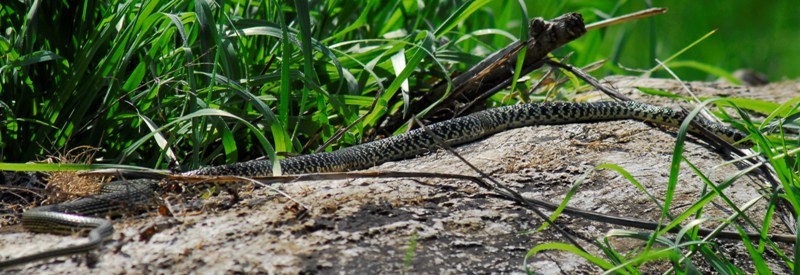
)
(108, 73)
(113, 74)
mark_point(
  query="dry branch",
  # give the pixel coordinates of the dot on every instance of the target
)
(544, 37)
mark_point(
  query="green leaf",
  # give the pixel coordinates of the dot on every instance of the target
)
(568, 248)
(361, 21)
(572, 191)
(459, 15)
(303, 17)
(283, 99)
(213, 113)
(135, 78)
(755, 255)
(416, 56)
(35, 57)
(162, 142)
(399, 65)
(363, 101)
(656, 92)
(713, 70)
(666, 61)
(761, 106)
(229, 144)
(56, 167)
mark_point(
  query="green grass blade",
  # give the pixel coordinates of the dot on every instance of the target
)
(304, 20)
(458, 16)
(657, 92)
(755, 255)
(162, 142)
(279, 133)
(360, 22)
(283, 100)
(568, 248)
(712, 70)
(705, 199)
(786, 110)
(572, 191)
(60, 167)
(761, 106)
(35, 57)
(667, 61)
(523, 36)
(270, 152)
(624, 173)
(417, 53)
(399, 65)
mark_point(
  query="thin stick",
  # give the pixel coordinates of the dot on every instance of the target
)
(500, 188)
(622, 221)
(628, 17)
(589, 79)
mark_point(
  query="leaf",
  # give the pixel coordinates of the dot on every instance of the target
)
(54, 167)
(568, 248)
(713, 70)
(399, 64)
(135, 78)
(416, 56)
(666, 61)
(160, 140)
(459, 15)
(218, 113)
(572, 191)
(35, 57)
(656, 92)
(761, 106)
(755, 255)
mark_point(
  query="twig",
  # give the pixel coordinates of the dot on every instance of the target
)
(527, 96)
(622, 221)
(497, 70)
(529, 202)
(589, 79)
(511, 194)
(545, 36)
(625, 18)
(586, 69)
(493, 90)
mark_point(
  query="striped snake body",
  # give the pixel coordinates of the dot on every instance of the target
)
(75, 215)
(469, 128)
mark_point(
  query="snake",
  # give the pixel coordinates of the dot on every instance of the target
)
(86, 214)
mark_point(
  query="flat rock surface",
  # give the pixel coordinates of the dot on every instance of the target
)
(426, 225)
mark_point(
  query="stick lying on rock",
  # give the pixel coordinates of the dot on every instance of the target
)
(544, 37)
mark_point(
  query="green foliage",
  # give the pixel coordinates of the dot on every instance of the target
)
(688, 245)
(411, 250)
(114, 71)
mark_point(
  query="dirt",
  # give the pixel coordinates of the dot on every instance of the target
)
(441, 226)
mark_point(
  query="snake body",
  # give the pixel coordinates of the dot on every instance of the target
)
(469, 128)
(75, 215)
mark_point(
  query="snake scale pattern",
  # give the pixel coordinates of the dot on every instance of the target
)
(87, 213)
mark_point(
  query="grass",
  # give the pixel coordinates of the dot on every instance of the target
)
(218, 82)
